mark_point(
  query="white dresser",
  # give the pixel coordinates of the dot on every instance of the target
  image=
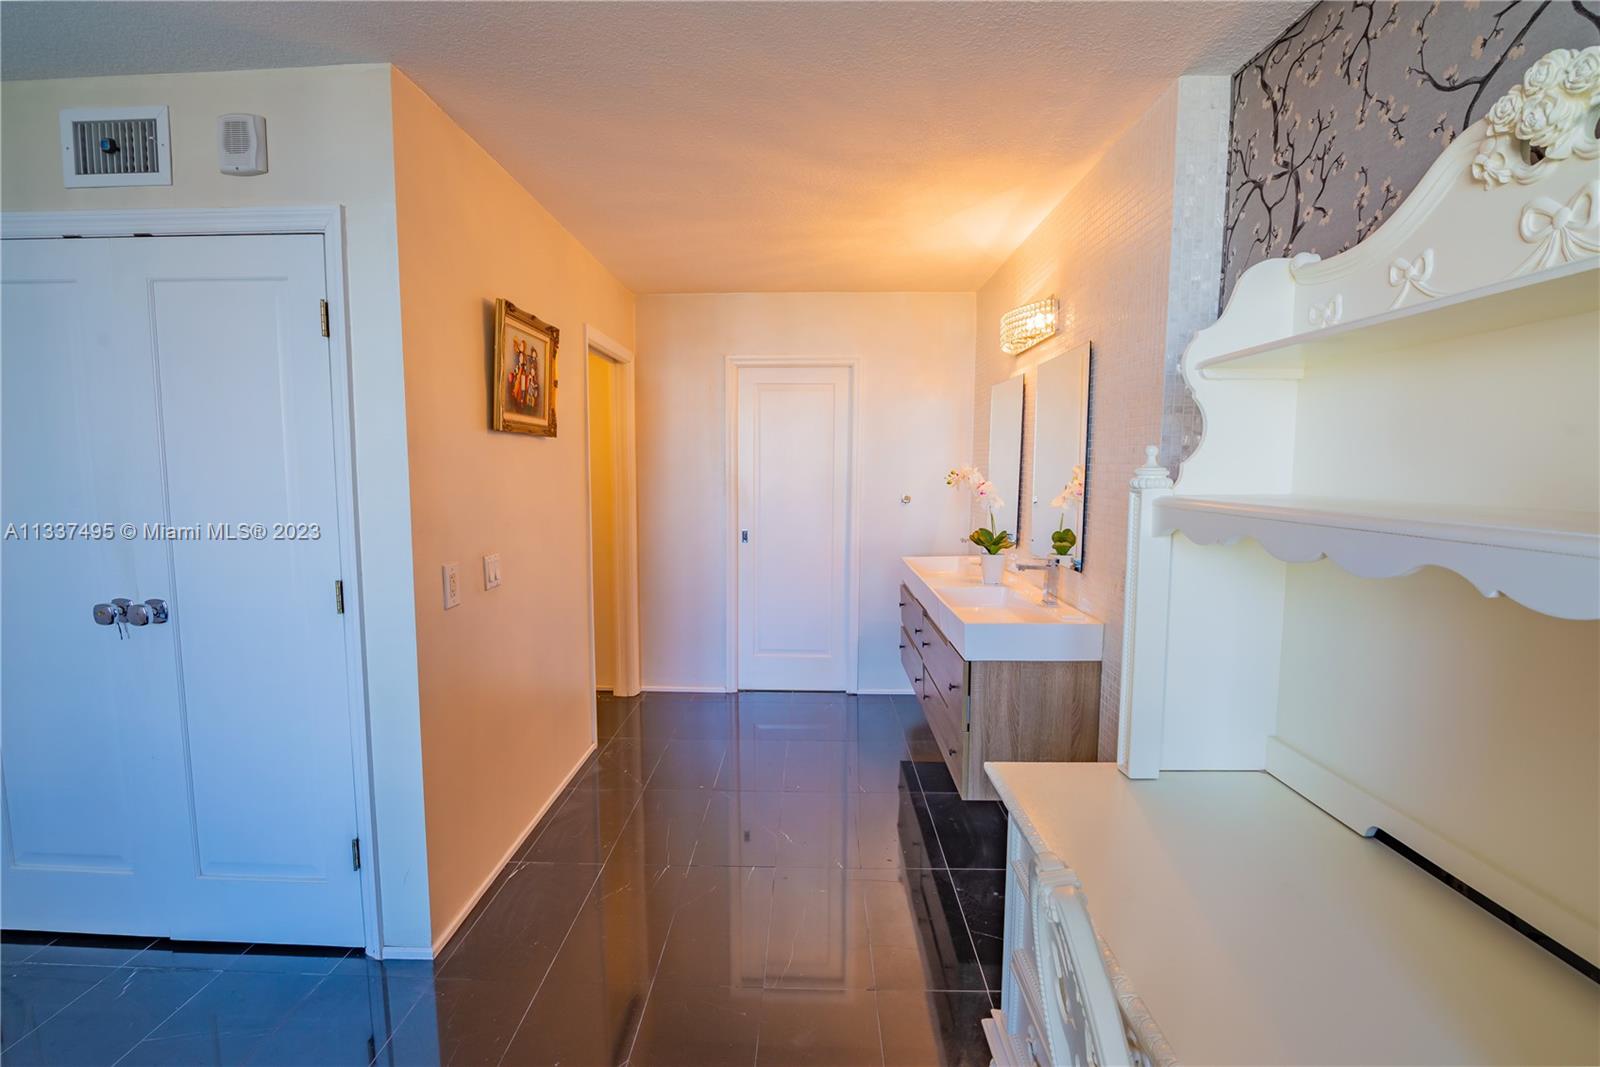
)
(1243, 925)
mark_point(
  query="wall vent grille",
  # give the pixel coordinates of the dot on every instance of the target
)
(115, 146)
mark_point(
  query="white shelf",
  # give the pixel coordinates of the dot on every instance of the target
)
(1545, 560)
(1570, 289)
(1258, 929)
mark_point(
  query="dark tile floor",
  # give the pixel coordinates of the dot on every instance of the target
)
(771, 878)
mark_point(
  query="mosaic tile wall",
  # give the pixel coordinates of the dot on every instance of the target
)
(1336, 121)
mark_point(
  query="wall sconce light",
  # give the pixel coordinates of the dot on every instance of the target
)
(1022, 328)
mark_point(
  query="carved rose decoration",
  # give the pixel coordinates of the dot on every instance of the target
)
(1553, 110)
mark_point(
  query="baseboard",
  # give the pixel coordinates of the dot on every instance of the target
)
(885, 692)
(408, 952)
(685, 689)
(1363, 811)
(443, 938)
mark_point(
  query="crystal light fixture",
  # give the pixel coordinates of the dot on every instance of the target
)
(1023, 327)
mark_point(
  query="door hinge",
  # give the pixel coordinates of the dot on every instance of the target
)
(324, 318)
(355, 853)
(338, 596)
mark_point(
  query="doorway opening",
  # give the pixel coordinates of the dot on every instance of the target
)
(613, 520)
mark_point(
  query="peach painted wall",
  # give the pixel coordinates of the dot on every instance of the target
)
(914, 353)
(1104, 251)
(505, 680)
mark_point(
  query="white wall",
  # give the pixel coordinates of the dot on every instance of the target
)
(330, 141)
(915, 391)
(1104, 253)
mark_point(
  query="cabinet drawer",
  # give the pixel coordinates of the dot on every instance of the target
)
(949, 729)
(911, 661)
(949, 670)
(911, 615)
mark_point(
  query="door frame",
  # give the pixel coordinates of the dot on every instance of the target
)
(852, 572)
(326, 221)
(625, 583)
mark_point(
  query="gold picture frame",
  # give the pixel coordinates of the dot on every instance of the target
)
(524, 372)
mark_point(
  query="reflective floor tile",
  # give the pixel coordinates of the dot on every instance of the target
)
(665, 825)
(18, 946)
(689, 764)
(581, 829)
(624, 764)
(225, 1022)
(819, 933)
(611, 713)
(717, 920)
(934, 776)
(753, 766)
(276, 959)
(739, 830)
(464, 1022)
(982, 896)
(972, 833)
(919, 935)
(698, 1026)
(588, 1009)
(798, 720)
(91, 950)
(937, 1029)
(193, 955)
(895, 831)
(819, 767)
(110, 1019)
(515, 938)
(346, 1019)
(828, 1028)
(32, 994)
(881, 766)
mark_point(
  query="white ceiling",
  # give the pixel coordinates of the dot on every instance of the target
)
(730, 146)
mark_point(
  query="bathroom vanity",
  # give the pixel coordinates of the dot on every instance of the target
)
(1000, 673)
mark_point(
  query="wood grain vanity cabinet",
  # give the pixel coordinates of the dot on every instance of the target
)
(997, 710)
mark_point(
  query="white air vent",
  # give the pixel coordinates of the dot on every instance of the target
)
(103, 146)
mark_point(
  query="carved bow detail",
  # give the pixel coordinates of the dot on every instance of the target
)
(1562, 232)
(1412, 274)
(1327, 314)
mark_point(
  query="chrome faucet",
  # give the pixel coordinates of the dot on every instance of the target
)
(1051, 565)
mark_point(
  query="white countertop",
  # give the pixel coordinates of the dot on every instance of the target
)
(1258, 929)
(1008, 621)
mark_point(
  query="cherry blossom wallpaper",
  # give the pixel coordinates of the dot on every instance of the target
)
(1337, 119)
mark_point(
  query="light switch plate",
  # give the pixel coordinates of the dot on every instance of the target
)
(452, 585)
(491, 570)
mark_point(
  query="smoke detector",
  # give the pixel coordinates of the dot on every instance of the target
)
(108, 146)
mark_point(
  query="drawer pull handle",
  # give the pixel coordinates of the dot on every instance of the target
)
(924, 644)
(954, 687)
(952, 752)
(902, 646)
(918, 630)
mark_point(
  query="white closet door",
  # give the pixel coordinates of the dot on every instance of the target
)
(240, 699)
(90, 743)
(246, 402)
(794, 494)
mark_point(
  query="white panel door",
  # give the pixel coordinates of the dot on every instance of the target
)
(254, 810)
(794, 502)
(90, 745)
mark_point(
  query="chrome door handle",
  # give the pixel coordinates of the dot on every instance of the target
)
(107, 614)
(158, 610)
(138, 615)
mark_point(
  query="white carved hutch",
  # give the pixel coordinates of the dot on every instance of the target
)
(1373, 591)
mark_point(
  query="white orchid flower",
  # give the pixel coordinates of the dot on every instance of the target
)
(1073, 490)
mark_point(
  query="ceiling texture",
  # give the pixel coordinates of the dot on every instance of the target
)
(726, 147)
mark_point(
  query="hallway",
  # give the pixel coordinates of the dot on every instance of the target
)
(772, 878)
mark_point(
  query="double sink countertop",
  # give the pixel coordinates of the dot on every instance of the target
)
(1008, 621)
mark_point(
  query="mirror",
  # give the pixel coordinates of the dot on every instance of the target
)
(1060, 443)
(1005, 449)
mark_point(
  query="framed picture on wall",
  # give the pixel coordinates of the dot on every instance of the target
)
(524, 372)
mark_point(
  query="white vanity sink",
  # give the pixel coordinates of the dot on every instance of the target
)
(998, 622)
